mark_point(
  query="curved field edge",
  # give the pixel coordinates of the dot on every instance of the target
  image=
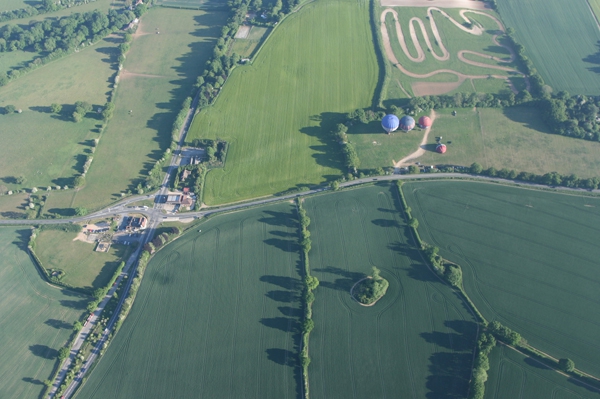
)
(527, 258)
(276, 113)
(37, 318)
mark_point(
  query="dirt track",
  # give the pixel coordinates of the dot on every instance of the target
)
(420, 57)
(421, 149)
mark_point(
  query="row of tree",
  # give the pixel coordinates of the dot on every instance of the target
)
(465, 100)
(64, 33)
(43, 7)
(548, 179)
(485, 344)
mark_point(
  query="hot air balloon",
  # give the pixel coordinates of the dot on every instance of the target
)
(390, 123)
(425, 122)
(441, 148)
(407, 123)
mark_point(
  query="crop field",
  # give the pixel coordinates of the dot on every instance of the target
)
(416, 342)
(46, 148)
(156, 78)
(277, 113)
(529, 259)
(552, 35)
(9, 5)
(513, 138)
(36, 319)
(216, 316)
(595, 5)
(513, 375)
(461, 53)
(84, 267)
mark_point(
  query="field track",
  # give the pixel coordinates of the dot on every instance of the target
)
(475, 29)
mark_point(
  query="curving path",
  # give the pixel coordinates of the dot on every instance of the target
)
(475, 29)
(420, 151)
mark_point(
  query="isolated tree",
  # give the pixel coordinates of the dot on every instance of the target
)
(9, 109)
(77, 117)
(81, 211)
(414, 223)
(476, 168)
(77, 326)
(454, 275)
(567, 365)
(21, 179)
(63, 353)
(334, 185)
(413, 170)
(56, 108)
(312, 282)
(79, 181)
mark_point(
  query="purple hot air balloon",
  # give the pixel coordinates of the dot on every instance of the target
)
(407, 123)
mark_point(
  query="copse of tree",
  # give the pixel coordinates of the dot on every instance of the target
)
(574, 116)
(567, 365)
(45, 6)
(64, 33)
(504, 333)
(56, 108)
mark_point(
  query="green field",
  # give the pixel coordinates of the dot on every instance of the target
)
(416, 342)
(246, 47)
(216, 316)
(454, 40)
(47, 148)
(9, 5)
(36, 319)
(595, 6)
(513, 375)
(529, 259)
(156, 78)
(553, 36)
(277, 113)
(84, 267)
(513, 138)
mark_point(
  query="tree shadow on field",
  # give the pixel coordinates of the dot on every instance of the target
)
(282, 357)
(449, 372)
(285, 324)
(418, 270)
(58, 324)
(287, 283)
(385, 223)
(534, 363)
(43, 351)
(32, 381)
(283, 219)
(329, 152)
(284, 245)
(594, 59)
(530, 117)
(344, 283)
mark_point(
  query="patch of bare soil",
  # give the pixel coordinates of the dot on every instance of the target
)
(435, 88)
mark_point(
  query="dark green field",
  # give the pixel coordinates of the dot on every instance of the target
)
(215, 317)
(35, 319)
(529, 259)
(513, 375)
(416, 342)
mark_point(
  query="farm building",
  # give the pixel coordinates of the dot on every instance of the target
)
(185, 174)
(136, 224)
(425, 122)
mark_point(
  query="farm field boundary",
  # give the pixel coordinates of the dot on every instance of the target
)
(530, 317)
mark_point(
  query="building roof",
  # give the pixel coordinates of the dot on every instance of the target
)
(174, 198)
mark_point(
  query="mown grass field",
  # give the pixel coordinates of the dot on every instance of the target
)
(454, 40)
(513, 138)
(216, 315)
(47, 148)
(36, 319)
(416, 342)
(84, 267)
(553, 37)
(277, 113)
(9, 5)
(513, 375)
(529, 259)
(595, 5)
(156, 78)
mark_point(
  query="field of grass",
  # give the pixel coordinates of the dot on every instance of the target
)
(513, 375)
(552, 35)
(416, 342)
(277, 113)
(47, 148)
(216, 316)
(84, 267)
(9, 5)
(376, 149)
(245, 47)
(595, 6)
(36, 319)
(454, 40)
(103, 5)
(513, 138)
(156, 78)
(529, 259)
